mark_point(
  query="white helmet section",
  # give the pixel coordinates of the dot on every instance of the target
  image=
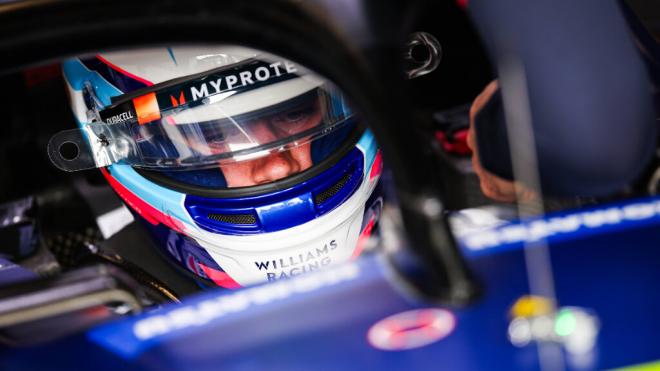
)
(157, 65)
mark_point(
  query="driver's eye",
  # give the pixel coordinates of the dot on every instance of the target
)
(293, 120)
(297, 115)
(214, 136)
(215, 140)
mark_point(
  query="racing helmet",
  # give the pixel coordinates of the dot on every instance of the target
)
(244, 166)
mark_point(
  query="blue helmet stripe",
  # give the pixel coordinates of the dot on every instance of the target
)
(367, 144)
(122, 81)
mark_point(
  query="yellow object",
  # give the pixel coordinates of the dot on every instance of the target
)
(531, 306)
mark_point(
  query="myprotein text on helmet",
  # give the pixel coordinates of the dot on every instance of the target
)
(247, 76)
(241, 79)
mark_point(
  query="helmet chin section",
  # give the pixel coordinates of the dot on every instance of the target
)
(236, 261)
(233, 261)
(318, 243)
(260, 263)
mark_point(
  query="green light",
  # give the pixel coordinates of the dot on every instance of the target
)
(565, 322)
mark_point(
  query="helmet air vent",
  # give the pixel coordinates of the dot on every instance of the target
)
(233, 218)
(332, 190)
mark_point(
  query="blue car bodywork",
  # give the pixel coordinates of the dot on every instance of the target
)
(604, 259)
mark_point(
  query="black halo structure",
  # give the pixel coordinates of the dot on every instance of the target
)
(360, 53)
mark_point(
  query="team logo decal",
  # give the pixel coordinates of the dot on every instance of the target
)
(411, 329)
(181, 100)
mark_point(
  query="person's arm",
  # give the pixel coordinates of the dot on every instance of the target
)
(493, 186)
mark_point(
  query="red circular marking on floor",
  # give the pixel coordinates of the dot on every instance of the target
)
(411, 329)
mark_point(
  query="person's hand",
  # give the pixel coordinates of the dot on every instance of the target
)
(492, 186)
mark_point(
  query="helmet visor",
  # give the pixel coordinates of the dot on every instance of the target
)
(200, 123)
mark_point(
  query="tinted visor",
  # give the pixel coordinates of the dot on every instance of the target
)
(190, 140)
(210, 125)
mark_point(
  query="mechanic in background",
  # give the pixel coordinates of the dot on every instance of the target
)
(589, 97)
